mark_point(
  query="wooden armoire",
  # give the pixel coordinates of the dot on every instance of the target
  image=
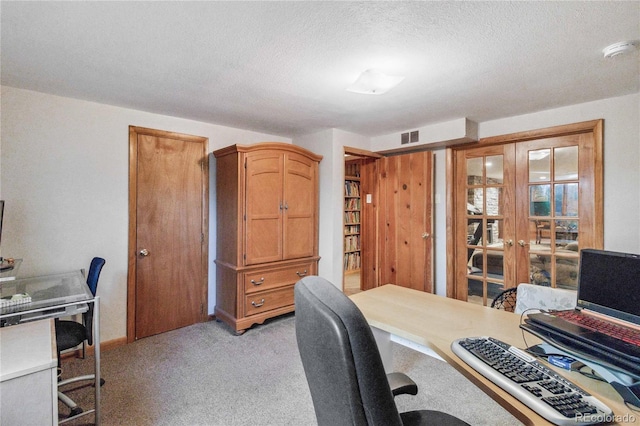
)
(267, 229)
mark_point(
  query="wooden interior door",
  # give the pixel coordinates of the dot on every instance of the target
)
(557, 208)
(168, 232)
(406, 202)
(485, 200)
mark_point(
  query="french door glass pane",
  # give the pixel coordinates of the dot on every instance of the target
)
(566, 233)
(567, 272)
(566, 199)
(495, 170)
(540, 165)
(495, 233)
(474, 171)
(565, 163)
(540, 269)
(475, 201)
(540, 235)
(540, 200)
(495, 201)
(474, 232)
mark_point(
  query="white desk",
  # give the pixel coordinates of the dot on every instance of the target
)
(54, 296)
(28, 374)
(435, 321)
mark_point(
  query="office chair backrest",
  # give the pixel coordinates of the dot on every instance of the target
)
(92, 281)
(94, 273)
(341, 361)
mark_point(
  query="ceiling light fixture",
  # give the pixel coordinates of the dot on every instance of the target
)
(619, 48)
(374, 82)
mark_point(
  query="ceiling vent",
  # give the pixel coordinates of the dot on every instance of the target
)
(410, 137)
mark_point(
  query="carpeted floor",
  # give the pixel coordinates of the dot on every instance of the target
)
(206, 375)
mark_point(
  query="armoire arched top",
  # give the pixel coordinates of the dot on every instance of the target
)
(265, 146)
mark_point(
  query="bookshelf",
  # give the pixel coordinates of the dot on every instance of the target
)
(352, 207)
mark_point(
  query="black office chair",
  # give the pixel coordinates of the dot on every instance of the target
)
(506, 300)
(70, 334)
(342, 363)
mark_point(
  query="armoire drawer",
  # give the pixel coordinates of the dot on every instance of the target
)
(268, 300)
(274, 278)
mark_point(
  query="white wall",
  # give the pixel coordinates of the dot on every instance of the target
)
(65, 180)
(322, 143)
(330, 144)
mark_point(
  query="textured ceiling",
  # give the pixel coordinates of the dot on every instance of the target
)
(282, 67)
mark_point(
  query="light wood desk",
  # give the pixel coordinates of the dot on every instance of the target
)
(436, 321)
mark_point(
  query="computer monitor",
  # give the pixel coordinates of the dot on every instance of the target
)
(608, 284)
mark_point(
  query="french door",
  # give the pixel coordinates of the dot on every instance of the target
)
(524, 205)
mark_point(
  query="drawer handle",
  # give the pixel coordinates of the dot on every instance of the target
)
(302, 274)
(257, 305)
(259, 282)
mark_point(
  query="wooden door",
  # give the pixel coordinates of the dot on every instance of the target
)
(557, 211)
(300, 206)
(549, 206)
(486, 202)
(406, 201)
(168, 231)
(264, 206)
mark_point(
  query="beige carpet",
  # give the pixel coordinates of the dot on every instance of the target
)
(206, 375)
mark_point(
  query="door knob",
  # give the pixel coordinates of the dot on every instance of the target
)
(144, 252)
(510, 243)
(425, 235)
(522, 243)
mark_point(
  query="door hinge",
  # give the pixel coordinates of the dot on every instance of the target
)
(202, 238)
(201, 308)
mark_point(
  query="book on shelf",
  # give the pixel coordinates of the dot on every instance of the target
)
(351, 218)
(351, 229)
(352, 204)
(351, 261)
(352, 243)
(351, 189)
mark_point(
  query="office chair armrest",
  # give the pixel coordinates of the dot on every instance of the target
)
(401, 384)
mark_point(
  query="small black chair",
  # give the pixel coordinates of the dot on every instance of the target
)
(506, 300)
(70, 334)
(342, 363)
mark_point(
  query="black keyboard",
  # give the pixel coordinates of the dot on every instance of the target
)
(621, 332)
(538, 387)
